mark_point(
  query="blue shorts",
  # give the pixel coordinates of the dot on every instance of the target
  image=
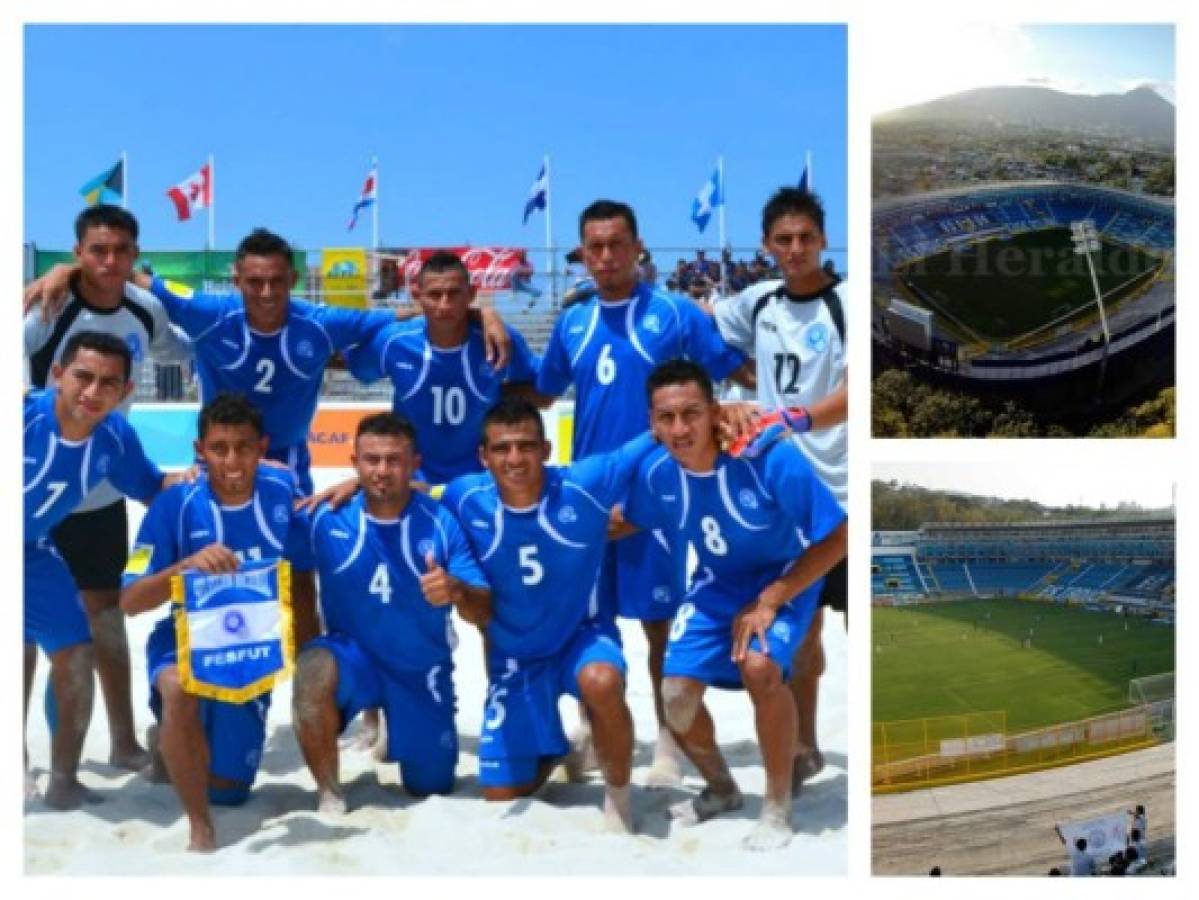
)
(639, 579)
(236, 732)
(521, 723)
(419, 710)
(54, 614)
(299, 461)
(701, 644)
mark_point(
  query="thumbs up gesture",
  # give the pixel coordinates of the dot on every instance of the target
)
(439, 586)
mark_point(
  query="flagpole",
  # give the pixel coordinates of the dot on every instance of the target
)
(211, 203)
(124, 181)
(549, 240)
(808, 166)
(375, 208)
(720, 249)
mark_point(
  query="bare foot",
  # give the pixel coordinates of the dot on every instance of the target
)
(155, 769)
(666, 771)
(132, 758)
(581, 759)
(705, 806)
(203, 838)
(808, 764)
(66, 792)
(773, 830)
(330, 803)
(618, 810)
(368, 732)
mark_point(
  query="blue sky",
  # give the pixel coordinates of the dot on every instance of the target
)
(459, 116)
(933, 57)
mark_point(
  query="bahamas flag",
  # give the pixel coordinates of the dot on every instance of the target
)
(107, 186)
(234, 631)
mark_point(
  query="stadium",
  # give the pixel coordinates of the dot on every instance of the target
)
(981, 287)
(1013, 649)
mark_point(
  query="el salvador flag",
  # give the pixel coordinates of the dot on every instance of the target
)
(709, 197)
(537, 194)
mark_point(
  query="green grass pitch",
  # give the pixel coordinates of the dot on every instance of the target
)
(1002, 288)
(969, 656)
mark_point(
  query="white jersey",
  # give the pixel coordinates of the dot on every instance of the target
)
(801, 358)
(140, 321)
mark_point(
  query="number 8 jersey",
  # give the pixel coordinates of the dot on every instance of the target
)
(748, 520)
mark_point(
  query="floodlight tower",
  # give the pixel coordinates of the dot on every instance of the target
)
(1086, 242)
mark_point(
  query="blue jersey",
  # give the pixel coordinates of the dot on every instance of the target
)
(188, 517)
(444, 392)
(370, 579)
(607, 350)
(280, 373)
(59, 473)
(543, 562)
(748, 520)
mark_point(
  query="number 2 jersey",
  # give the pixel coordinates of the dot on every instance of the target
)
(370, 573)
(60, 473)
(543, 562)
(281, 373)
(444, 392)
(748, 520)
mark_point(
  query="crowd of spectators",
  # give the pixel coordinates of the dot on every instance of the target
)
(700, 278)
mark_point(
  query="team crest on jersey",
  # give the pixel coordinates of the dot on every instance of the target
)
(748, 499)
(134, 342)
(305, 349)
(816, 337)
(661, 594)
(103, 464)
(652, 324)
(280, 514)
(567, 515)
(782, 630)
(425, 547)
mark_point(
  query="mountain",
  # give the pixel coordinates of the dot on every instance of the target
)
(1140, 113)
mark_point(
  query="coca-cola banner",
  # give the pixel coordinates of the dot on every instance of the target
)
(491, 268)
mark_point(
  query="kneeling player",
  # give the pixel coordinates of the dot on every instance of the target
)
(539, 535)
(391, 563)
(236, 512)
(765, 532)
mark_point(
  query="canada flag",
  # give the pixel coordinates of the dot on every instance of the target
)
(192, 193)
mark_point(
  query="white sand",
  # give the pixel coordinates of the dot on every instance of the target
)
(138, 828)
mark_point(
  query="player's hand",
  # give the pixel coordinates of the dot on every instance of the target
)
(185, 476)
(736, 419)
(439, 586)
(752, 621)
(768, 429)
(215, 559)
(50, 291)
(495, 338)
(618, 526)
(336, 496)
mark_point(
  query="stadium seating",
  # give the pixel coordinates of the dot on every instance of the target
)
(1128, 561)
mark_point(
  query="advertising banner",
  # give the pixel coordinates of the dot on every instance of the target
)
(344, 276)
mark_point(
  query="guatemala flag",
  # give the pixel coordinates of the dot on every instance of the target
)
(367, 198)
(537, 193)
(710, 196)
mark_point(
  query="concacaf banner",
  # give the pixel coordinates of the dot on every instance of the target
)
(491, 268)
(234, 631)
(343, 274)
